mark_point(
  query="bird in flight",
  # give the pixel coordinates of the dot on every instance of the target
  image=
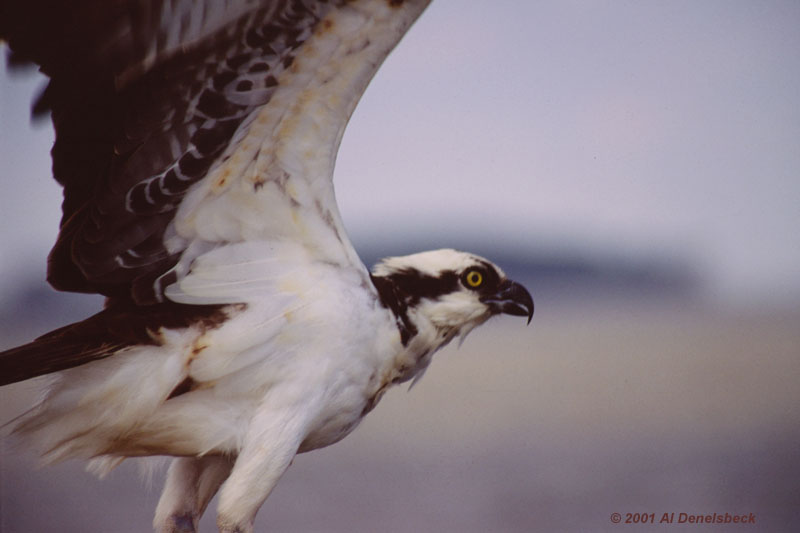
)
(195, 143)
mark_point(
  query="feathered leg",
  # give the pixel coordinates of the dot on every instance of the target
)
(191, 483)
(270, 445)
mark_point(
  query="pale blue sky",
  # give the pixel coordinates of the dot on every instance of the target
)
(665, 128)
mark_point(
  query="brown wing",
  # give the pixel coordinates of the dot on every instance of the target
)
(145, 98)
(120, 325)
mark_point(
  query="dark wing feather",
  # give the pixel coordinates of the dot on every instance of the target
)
(120, 325)
(145, 98)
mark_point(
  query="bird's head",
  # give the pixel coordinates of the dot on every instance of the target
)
(445, 293)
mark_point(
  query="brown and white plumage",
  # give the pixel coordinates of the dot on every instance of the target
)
(148, 98)
(195, 141)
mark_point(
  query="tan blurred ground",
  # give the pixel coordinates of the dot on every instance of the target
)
(550, 428)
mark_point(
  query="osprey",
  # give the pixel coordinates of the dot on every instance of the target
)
(195, 141)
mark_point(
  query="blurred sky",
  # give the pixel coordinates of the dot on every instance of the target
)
(669, 129)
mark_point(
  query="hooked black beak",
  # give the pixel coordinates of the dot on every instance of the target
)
(511, 298)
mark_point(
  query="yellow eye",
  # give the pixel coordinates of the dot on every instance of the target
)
(474, 279)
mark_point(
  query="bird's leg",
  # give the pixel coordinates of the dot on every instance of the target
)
(269, 446)
(191, 483)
